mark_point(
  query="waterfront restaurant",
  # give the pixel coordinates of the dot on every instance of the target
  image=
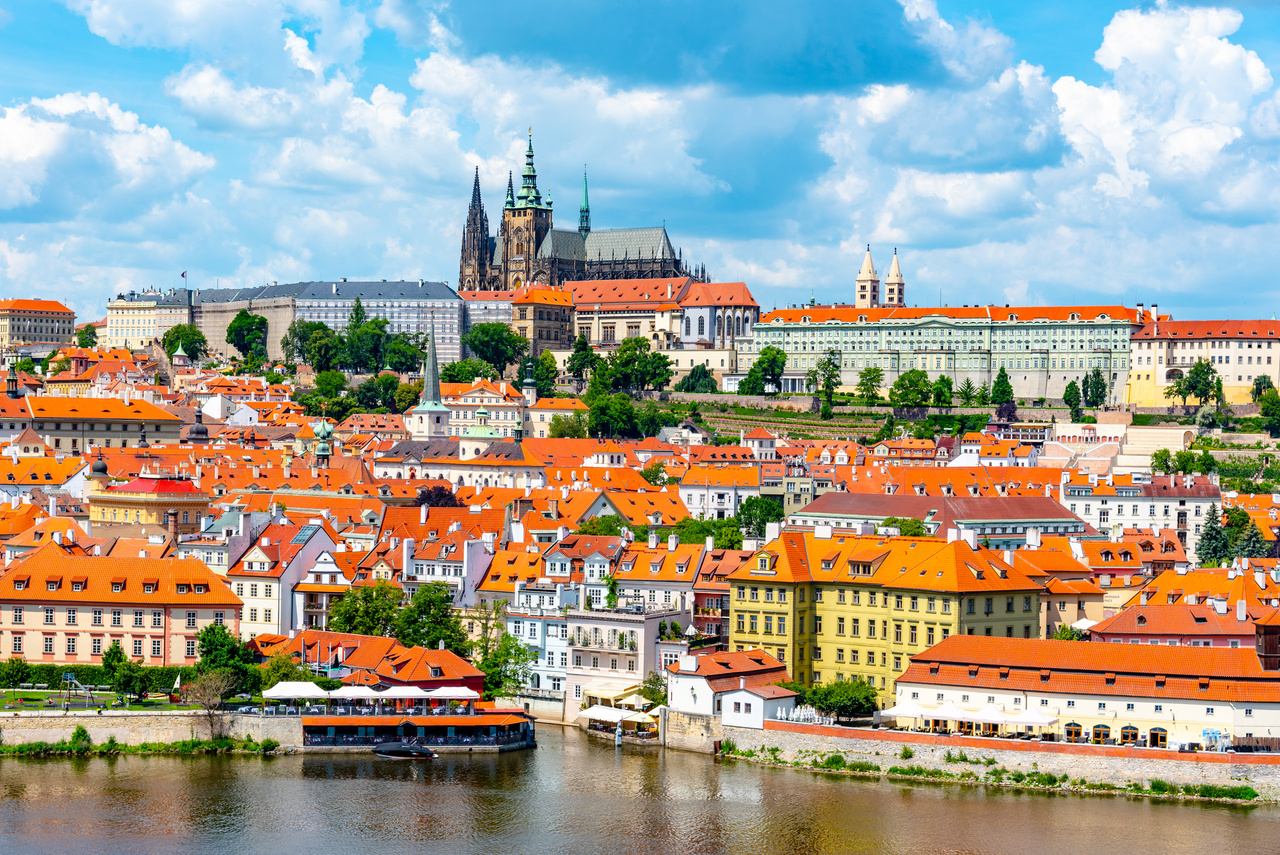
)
(1157, 696)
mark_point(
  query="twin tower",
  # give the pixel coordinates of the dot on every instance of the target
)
(868, 285)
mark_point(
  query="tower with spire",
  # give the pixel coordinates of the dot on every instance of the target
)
(429, 418)
(477, 245)
(867, 285)
(894, 285)
(584, 210)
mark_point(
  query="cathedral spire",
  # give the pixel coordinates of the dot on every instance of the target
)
(529, 196)
(475, 191)
(584, 211)
(894, 284)
(431, 370)
(511, 196)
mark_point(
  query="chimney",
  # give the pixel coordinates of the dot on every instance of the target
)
(1241, 614)
(1259, 579)
(266, 541)
(57, 536)
(172, 516)
(970, 537)
(772, 531)
(953, 535)
(1033, 538)
(672, 540)
(53, 506)
(407, 544)
(422, 515)
(1140, 305)
(711, 542)
(742, 682)
(653, 539)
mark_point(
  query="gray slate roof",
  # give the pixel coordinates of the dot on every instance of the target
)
(562, 243)
(631, 243)
(414, 289)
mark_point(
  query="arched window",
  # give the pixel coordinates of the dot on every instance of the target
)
(1128, 735)
(702, 326)
(738, 325)
(1158, 738)
(1072, 732)
(688, 326)
(1101, 733)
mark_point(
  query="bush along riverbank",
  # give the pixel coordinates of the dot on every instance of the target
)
(989, 774)
(80, 745)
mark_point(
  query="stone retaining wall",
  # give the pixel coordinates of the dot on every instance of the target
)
(1096, 764)
(134, 728)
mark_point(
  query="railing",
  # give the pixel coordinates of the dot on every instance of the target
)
(611, 729)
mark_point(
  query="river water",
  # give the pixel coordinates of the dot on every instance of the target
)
(571, 795)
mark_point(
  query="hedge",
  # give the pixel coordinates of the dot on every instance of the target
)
(159, 678)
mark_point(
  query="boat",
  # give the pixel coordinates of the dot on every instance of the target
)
(403, 750)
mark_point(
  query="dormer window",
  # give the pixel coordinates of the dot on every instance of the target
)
(182, 589)
(199, 589)
(77, 586)
(20, 584)
(148, 589)
(51, 585)
(763, 562)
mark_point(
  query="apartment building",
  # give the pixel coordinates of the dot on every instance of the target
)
(543, 315)
(839, 607)
(67, 609)
(717, 492)
(1042, 349)
(265, 577)
(1174, 504)
(75, 424)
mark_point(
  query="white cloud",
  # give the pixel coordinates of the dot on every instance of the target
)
(971, 52)
(209, 95)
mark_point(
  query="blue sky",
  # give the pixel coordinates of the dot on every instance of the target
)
(1012, 152)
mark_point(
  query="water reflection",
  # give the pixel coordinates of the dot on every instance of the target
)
(571, 795)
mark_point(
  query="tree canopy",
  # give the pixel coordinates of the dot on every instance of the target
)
(823, 379)
(756, 512)
(496, 343)
(870, 380)
(189, 336)
(436, 497)
(221, 651)
(698, 380)
(87, 336)
(468, 371)
(367, 610)
(1072, 398)
(429, 619)
(247, 333)
(1002, 389)
(911, 389)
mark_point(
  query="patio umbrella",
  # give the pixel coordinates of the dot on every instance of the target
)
(354, 693)
(293, 689)
(990, 714)
(452, 693)
(907, 709)
(404, 693)
(1031, 718)
(949, 712)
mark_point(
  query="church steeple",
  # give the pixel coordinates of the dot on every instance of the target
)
(431, 369)
(473, 272)
(475, 191)
(511, 197)
(868, 284)
(529, 196)
(584, 211)
(894, 284)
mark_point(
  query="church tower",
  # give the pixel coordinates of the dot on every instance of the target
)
(584, 210)
(430, 418)
(473, 273)
(526, 219)
(868, 284)
(894, 285)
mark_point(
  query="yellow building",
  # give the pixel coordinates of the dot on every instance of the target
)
(147, 500)
(1162, 352)
(543, 315)
(841, 607)
(31, 321)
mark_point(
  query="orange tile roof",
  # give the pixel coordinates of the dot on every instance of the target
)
(28, 305)
(851, 314)
(101, 573)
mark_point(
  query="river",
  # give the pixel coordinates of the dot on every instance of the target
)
(571, 795)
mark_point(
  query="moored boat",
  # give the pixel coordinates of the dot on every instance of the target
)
(402, 750)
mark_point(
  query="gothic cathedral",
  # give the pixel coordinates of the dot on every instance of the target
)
(528, 248)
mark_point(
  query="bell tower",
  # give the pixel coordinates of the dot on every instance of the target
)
(526, 219)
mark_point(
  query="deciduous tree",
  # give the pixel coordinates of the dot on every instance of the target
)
(756, 512)
(436, 497)
(189, 336)
(911, 389)
(468, 371)
(496, 343)
(429, 619)
(699, 380)
(869, 382)
(567, 427)
(247, 333)
(367, 610)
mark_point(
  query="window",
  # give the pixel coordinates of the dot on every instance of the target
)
(1159, 708)
(71, 617)
(191, 648)
(217, 618)
(240, 589)
(137, 647)
(156, 647)
(897, 633)
(117, 617)
(266, 615)
(191, 620)
(782, 625)
(253, 615)
(137, 618)
(157, 620)
(71, 645)
(1208, 710)
(48, 616)
(17, 644)
(48, 644)
(95, 647)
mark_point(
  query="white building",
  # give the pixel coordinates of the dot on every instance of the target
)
(698, 684)
(752, 706)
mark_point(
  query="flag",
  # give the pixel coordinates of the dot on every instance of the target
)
(184, 274)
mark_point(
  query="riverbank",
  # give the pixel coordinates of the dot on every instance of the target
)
(80, 744)
(1017, 765)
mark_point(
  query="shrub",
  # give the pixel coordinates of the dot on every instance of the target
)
(833, 761)
(906, 753)
(728, 746)
(1160, 787)
(269, 745)
(861, 766)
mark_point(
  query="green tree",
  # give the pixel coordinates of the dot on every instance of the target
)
(189, 336)
(364, 346)
(25, 365)
(504, 659)
(295, 338)
(16, 671)
(1202, 381)
(323, 350)
(606, 525)
(379, 391)
(651, 420)
(1269, 411)
(1184, 461)
(1261, 384)
(1096, 389)
(430, 619)
(367, 610)
(403, 353)
(699, 380)
(567, 427)
(407, 394)
(1066, 632)
(634, 367)
(330, 384)
(655, 473)
(357, 316)
(1002, 389)
(1214, 546)
(752, 383)
(468, 371)
(756, 512)
(967, 392)
(111, 658)
(582, 361)
(983, 396)
(221, 651)
(1251, 543)
(1206, 463)
(942, 393)
(654, 688)
(1162, 461)
(823, 379)
(911, 389)
(613, 416)
(844, 698)
(772, 361)
(611, 591)
(907, 526)
(727, 534)
(87, 336)
(869, 382)
(282, 668)
(1072, 398)
(1178, 388)
(545, 374)
(247, 333)
(130, 679)
(496, 343)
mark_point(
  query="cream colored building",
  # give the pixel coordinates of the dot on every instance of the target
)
(131, 320)
(31, 321)
(1164, 351)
